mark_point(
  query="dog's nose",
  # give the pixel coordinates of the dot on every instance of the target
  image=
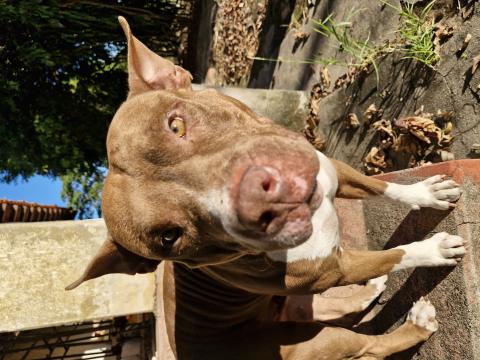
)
(260, 196)
(262, 183)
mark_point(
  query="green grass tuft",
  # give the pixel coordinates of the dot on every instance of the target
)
(416, 33)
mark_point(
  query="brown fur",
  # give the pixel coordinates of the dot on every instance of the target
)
(354, 185)
(221, 296)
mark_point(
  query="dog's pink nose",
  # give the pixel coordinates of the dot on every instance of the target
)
(262, 183)
(263, 199)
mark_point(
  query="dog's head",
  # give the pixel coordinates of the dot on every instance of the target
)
(196, 176)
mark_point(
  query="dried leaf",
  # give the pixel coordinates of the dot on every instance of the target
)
(415, 140)
(475, 148)
(475, 62)
(442, 33)
(341, 81)
(316, 94)
(446, 155)
(448, 128)
(405, 144)
(446, 140)
(423, 128)
(376, 157)
(311, 123)
(352, 121)
(320, 144)
(384, 126)
(300, 35)
(465, 43)
(442, 117)
(467, 12)
(325, 78)
(372, 113)
(372, 170)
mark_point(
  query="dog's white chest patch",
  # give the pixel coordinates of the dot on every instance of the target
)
(325, 236)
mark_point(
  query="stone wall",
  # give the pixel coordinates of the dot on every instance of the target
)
(37, 261)
(400, 86)
(455, 292)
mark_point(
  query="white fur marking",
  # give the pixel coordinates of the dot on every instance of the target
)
(423, 314)
(433, 192)
(441, 249)
(325, 236)
(219, 205)
(380, 287)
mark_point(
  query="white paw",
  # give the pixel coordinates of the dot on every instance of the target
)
(423, 314)
(434, 192)
(442, 249)
(438, 193)
(379, 286)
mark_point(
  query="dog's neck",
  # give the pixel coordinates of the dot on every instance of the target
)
(212, 302)
(199, 305)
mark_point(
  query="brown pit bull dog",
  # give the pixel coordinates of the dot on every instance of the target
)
(241, 211)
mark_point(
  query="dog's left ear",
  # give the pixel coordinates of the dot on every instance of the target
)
(113, 258)
(149, 71)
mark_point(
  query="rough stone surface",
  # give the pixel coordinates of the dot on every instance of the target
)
(286, 107)
(373, 21)
(409, 86)
(403, 85)
(37, 261)
(455, 292)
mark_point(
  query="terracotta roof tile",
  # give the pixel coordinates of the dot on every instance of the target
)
(21, 211)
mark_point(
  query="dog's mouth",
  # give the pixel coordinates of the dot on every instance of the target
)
(273, 221)
(284, 225)
(274, 195)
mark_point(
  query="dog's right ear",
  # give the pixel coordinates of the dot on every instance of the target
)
(149, 71)
(113, 258)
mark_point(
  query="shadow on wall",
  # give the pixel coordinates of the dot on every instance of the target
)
(273, 32)
(402, 84)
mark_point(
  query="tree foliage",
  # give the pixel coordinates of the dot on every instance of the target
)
(83, 190)
(63, 76)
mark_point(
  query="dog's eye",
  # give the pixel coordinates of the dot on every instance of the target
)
(177, 126)
(170, 236)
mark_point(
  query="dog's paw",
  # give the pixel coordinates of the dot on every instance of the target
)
(423, 314)
(445, 249)
(378, 285)
(435, 192)
(442, 249)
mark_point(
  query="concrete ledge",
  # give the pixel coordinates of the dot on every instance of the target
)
(37, 261)
(285, 107)
(379, 224)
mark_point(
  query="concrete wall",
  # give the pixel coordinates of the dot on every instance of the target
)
(286, 107)
(37, 261)
(455, 292)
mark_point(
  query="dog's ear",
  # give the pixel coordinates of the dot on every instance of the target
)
(113, 258)
(149, 71)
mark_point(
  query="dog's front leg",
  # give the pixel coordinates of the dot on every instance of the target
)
(344, 267)
(435, 192)
(441, 249)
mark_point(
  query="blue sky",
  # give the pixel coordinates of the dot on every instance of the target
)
(40, 189)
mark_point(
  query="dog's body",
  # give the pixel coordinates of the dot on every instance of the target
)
(243, 210)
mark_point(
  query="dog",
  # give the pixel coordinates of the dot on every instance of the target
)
(240, 212)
